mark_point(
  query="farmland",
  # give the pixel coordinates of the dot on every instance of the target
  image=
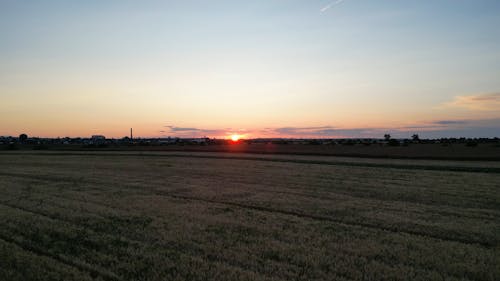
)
(489, 151)
(229, 216)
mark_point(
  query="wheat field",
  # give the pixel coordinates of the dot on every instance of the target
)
(210, 216)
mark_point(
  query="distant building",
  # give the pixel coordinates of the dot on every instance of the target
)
(97, 139)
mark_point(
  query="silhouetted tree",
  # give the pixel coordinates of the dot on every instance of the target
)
(23, 137)
(387, 137)
(415, 137)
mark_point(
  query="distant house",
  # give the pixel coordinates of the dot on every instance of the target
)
(97, 139)
(198, 140)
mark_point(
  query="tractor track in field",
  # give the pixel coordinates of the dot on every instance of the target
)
(285, 212)
(50, 178)
(332, 220)
(63, 220)
(62, 259)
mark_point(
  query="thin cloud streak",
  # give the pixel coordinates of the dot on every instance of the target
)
(327, 7)
(192, 132)
(481, 102)
(319, 132)
(450, 122)
(426, 129)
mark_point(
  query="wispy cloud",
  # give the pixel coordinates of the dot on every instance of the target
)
(450, 122)
(435, 125)
(321, 132)
(426, 129)
(452, 128)
(189, 132)
(181, 129)
(327, 7)
(192, 132)
(481, 102)
(430, 129)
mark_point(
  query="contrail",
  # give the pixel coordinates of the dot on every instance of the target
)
(325, 8)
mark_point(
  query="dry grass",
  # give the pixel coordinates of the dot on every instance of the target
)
(143, 217)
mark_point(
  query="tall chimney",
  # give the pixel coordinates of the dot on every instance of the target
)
(131, 135)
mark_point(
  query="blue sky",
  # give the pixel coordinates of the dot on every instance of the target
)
(248, 66)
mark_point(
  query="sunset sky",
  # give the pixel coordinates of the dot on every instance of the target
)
(260, 68)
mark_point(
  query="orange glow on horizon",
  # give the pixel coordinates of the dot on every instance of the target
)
(235, 137)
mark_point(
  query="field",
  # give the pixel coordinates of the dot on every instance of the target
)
(228, 216)
(437, 151)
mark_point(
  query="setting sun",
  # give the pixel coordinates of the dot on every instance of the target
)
(235, 137)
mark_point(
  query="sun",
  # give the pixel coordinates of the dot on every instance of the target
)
(235, 137)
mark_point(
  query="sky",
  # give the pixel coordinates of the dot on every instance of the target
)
(260, 68)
